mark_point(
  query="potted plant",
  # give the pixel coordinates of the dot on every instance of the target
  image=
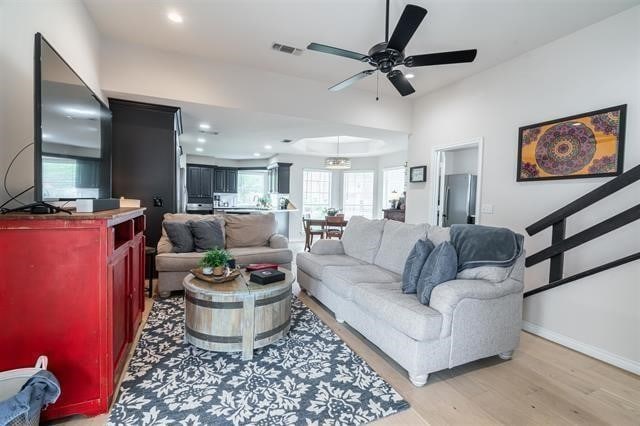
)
(332, 211)
(214, 261)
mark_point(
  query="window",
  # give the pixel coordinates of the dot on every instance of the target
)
(358, 194)
(392, 180)
(69, 177)
(316, 192)
(252, 184)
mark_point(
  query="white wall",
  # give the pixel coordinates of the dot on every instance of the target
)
(461, 161)
(67, 25)
(143, 71)
(593, 68)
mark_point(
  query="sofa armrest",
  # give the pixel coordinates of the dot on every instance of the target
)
(327, 247)
(446, 296)
(278, 241)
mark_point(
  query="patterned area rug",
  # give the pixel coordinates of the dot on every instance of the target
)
(310, 377)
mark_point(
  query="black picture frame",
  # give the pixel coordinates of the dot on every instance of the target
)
(424, 174)
(620, 151)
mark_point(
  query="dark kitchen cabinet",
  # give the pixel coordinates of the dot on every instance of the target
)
(279, 177)
(225, 180)
(232, 180)
(199, 181)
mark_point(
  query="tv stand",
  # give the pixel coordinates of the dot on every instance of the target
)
(39, 207)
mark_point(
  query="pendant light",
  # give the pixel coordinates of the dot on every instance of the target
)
(337, 162)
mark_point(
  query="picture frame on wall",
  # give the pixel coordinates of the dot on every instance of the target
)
(585, 145)
(418, 174)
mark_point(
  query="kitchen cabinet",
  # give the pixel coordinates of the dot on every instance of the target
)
(279, 177)
(200, 181)
(225, 180)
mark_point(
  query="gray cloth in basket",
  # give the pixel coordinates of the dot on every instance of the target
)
(479, 245)
(39, 391)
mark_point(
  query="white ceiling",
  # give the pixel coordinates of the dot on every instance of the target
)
(241, 31)
(242, 133)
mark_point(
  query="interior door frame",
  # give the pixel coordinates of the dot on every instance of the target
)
(477, 142)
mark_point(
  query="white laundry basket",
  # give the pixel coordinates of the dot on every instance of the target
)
(12, 381)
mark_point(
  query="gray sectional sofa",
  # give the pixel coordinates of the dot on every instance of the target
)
(249, 238)
(477, 315)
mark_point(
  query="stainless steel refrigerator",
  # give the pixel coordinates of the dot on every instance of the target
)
(459, 199)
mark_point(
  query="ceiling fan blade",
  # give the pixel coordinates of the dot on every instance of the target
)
(348, 82)
(337, 51)
(408, 23)
(400, 82)
(441, 58)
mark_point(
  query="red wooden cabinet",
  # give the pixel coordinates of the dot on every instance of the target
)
(72, 288)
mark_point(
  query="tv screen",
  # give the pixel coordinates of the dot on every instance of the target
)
(72, 132)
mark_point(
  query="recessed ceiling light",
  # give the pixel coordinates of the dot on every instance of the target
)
(204, 126)
(268, 147)
(175, 17)
(256, 154)
(199, 149)
(201, 140)
(409, 75)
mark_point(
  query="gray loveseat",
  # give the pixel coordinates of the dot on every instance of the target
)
(477, 315)
(249, 238)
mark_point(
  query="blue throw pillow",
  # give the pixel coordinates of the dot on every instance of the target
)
(441, 266)
(413, 265)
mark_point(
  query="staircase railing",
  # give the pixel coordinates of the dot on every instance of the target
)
(560, 244)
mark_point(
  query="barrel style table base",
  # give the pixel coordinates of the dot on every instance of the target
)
(238, 315)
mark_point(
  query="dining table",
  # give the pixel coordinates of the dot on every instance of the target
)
(320, 225)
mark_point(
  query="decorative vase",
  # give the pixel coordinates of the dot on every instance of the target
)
(218, 271)
(207, 270)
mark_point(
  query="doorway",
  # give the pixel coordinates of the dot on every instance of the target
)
(456, 183)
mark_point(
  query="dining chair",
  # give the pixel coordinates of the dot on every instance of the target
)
(310, 231)
(334, 227)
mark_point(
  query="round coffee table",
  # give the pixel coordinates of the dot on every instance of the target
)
(237, 315)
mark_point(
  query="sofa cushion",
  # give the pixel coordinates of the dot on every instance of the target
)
(404, 312)
(413, 267)
(438, 234)
(179, 233)
(342, 279)
(397, 241)
(245, 255)
(164, 244)
(177, 262)
(441, 266)
(315, 264)
(207, 234)
(361, 238)
(249, 230)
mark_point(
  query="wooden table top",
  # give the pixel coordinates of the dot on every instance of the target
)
(322, 222)
(237, 286)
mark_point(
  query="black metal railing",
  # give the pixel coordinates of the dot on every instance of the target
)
(560, 244)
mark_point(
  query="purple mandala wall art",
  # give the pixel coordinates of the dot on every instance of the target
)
(579, 146)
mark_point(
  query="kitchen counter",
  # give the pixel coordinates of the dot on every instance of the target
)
(282, 217)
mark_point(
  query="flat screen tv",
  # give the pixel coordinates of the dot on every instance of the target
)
(72, 132)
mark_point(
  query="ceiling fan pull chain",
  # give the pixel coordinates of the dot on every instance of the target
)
(377, 86)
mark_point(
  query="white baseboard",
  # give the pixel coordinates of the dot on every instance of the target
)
(594, 352)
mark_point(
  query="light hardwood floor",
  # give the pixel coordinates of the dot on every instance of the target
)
(544, 383)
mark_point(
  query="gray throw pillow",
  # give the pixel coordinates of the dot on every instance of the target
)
(180, 235)
(413, 265)
(207, 234)
(441, 266)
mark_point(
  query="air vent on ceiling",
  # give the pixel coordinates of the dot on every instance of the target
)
(286, 141)
(286, 49)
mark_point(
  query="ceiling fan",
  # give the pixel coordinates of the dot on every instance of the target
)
(388, 54)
